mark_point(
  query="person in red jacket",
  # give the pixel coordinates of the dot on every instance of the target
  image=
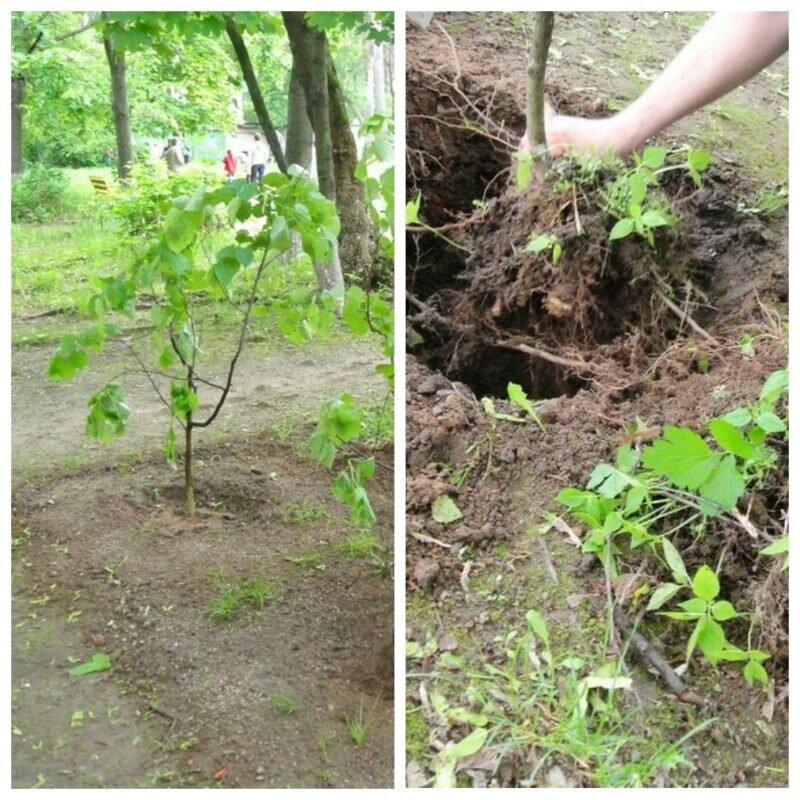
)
(229, 163)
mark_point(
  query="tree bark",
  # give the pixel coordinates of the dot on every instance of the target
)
(537, 62)
(355, 237)
(309, 51)
(255, 92)
(17, 102)
(299, 133)
(119, 105)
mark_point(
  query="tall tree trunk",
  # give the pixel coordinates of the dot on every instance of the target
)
(537, 62)
(309, 51)
(17, 101)
(378, 81)
(299, 133)
(355, 237)
(255, 92)
(119, 105)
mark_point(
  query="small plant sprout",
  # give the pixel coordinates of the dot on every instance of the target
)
(546, 242)
(357, 726)
(324, 742)
(284, 703)
(253, 593)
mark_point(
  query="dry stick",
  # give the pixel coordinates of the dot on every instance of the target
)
(681, 314)
(653, 658)
(582, 366)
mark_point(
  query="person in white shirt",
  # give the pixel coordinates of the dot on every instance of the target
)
(259, 163)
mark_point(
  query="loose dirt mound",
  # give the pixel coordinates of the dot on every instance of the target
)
(612, 333)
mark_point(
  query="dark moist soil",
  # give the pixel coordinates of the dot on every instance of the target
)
(613, 352)
(106, 560)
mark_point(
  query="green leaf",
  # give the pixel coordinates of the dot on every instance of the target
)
(169, 448)
(108, 413)
(777, 547)
(489, 410)
(675, 562)
(638, 189)
(543, 242)
(622, 229)
(99, 663)
(181, 227)
(725, 486)
(517, 395)
(662, 594)
(225, 271)
(280, 238)
(730, 438)
(770, 422)
(682, 456)
(167, 358)
(738, 417)
(694, 606)
(705, 583)
(412, 210)
(634, 499)
(698, 160)
(538, 624)
(468, 746)
(445, 510)
(654, 157)
(654, 219)
(524, 168)
(775, 385)
(711, 639)
(753, 671)
(608, 480)
(243, 255)
(64, 365)
(722, 610)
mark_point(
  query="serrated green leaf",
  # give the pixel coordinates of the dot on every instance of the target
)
(412, 210)
(725, 485)
(517, 395)
(682, 456)
(445, 510)
(108, 413)
(608, 480)
(730, 438)
(705, 583)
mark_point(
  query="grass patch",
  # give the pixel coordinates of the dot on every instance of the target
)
(250, 594)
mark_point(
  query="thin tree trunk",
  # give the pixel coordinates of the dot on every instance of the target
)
(355, 236)
(255, 92)
(188, 474)
(299, 133)
(309, 51)
(537, 62)
(378, 81)
(17, 102)
(119, 105)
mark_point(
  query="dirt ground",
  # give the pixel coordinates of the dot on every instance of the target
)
(105, 560)
(620, 354)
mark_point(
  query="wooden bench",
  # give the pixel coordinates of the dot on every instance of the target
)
(101, 185)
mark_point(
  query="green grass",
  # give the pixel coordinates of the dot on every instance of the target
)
(284, 703)
(302, 511)
(308, 561)
(253, 593)
(356, 725)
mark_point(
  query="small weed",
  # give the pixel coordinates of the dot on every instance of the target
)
(324, 745)
(253, 593)
(308, 561)
(327, 777)
(362, 543)
(284, 703)
(302, 512)
(357, 726)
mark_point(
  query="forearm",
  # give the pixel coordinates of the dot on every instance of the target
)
(731, 48)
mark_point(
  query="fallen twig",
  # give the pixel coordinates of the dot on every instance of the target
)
(423, 537)
(653, 658)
